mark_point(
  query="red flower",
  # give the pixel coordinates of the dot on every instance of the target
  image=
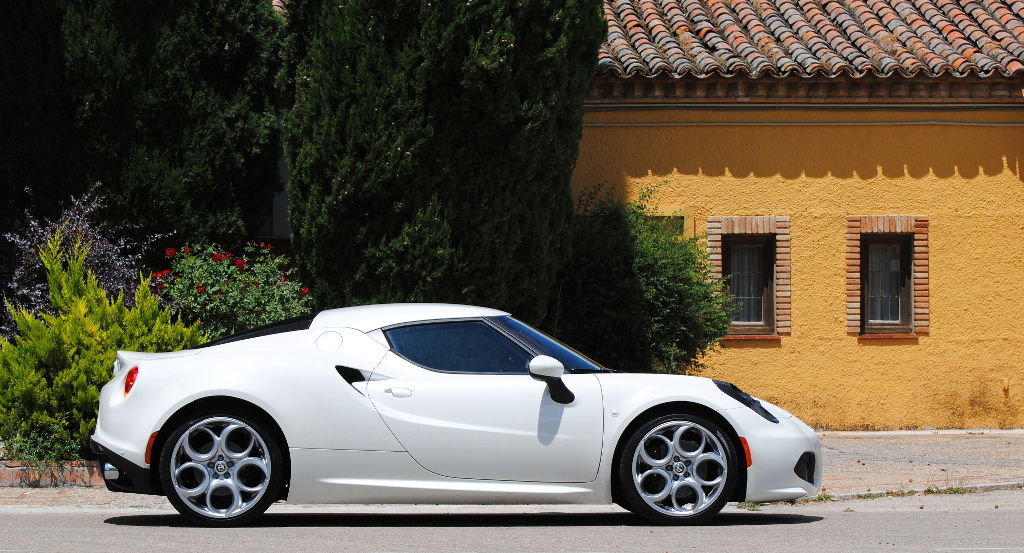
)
(304, 291)
(256, 284)
(170, 252)
(240, 263)
(187, 250)
(176, 277)
(270, 246)
(283, 279)
(218, 257)
(219, 294)
(160, 286)
(200, 288)
(228, 254)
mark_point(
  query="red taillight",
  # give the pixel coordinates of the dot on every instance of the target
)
(129, 379)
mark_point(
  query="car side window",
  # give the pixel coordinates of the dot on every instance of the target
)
(461, 346)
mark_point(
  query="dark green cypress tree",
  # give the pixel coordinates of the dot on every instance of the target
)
(39, 160)
(175, 99)
(431, 149)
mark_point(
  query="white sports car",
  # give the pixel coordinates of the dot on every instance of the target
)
(432, 403)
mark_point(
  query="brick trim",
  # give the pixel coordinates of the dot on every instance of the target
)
(901, 224)
(952, 91)
(760, 224)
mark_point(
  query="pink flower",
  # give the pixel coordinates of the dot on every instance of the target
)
(170, 252)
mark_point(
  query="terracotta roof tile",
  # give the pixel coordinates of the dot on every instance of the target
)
(813, 38)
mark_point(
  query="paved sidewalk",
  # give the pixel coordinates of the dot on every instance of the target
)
(914, 460)
(854, 462)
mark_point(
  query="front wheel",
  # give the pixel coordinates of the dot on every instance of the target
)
(678, 469)
(221, 468)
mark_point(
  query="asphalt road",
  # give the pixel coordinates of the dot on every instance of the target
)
(990, 521)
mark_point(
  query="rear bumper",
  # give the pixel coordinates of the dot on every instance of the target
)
(131, 478)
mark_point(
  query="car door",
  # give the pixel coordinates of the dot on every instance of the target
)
(459, 397)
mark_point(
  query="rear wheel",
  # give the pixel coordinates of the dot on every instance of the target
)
(678, 469)
(221, 468)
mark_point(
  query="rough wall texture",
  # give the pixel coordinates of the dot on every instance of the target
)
(818, 168)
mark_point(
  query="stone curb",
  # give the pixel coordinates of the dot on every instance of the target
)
(85, 474)
(882, 493)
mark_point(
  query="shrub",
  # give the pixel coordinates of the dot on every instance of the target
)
(51, 372)
(174, 106)
(431, 147)
(226, 293)
(637, 295)
(115, 255)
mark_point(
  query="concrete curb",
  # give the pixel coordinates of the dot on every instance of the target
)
(916, 491)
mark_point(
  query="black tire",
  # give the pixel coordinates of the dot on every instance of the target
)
(630, 463)
(269, 451)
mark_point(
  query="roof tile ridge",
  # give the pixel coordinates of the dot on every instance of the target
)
(681, 30)
(937, 42)
(908, 48)
(778, 21)
(877, 34)
(782, 62)
(902, 14)
(840, 48)
(1009, 47)
(973, 34)
(853, 29)
(752, 60)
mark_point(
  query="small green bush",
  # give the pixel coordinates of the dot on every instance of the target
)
(51, 372)
(227, 293)
(637, 295)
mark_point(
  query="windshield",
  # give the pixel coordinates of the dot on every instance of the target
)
(571, 359)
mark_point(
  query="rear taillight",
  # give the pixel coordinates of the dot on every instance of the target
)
(129, 379)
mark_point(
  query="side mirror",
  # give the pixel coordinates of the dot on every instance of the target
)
(550, 370)
(546, 367)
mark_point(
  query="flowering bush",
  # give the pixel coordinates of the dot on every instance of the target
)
(228, 293)
(114, 256)
(52, 370)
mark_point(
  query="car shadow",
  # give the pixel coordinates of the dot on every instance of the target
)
(355, 520)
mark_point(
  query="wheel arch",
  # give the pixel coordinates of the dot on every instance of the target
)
(680, 407)
(220, 402)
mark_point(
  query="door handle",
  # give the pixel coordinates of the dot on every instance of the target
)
(399, 392)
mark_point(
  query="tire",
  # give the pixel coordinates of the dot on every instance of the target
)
(678, 469)
(222, 467)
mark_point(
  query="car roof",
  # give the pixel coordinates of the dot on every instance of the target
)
(372, 317)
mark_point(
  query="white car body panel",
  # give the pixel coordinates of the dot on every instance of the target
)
(456, 438)
(455, 424)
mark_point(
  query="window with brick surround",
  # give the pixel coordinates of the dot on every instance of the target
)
(887, 275)
(754, 254)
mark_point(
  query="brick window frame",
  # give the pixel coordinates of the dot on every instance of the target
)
(913, 226)
(759, 225)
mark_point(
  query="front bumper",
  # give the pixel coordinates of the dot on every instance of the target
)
(786, 459)
(131, 478)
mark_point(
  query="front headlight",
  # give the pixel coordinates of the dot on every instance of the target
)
(739, 395)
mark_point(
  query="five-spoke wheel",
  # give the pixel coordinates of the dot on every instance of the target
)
(221, 468)
(678, 469)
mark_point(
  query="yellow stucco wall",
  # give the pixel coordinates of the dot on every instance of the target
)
(969, 371)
